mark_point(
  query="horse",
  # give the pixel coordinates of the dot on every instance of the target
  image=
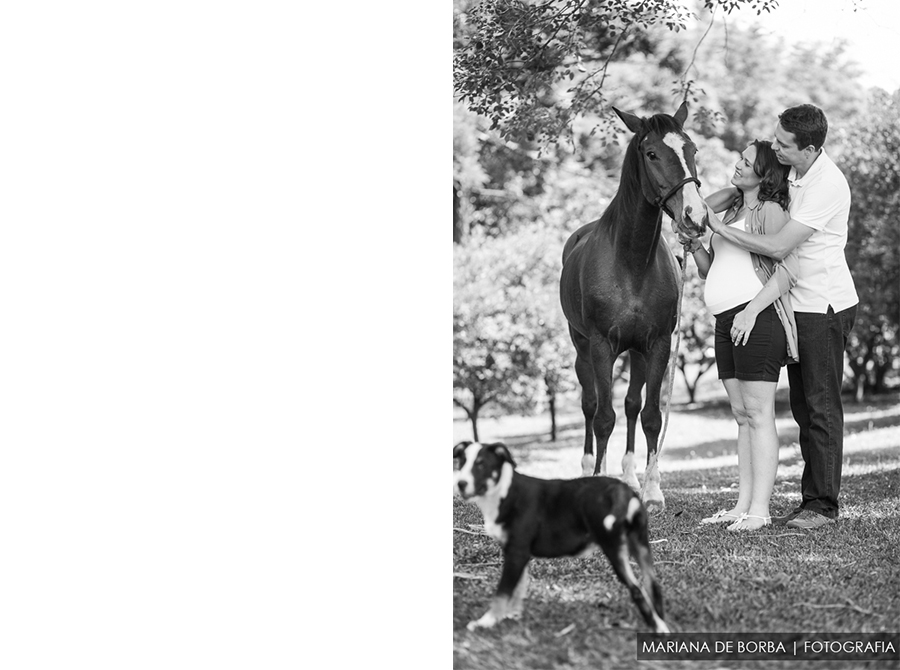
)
(619, 291)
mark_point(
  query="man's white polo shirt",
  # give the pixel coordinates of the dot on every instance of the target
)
(821, 200)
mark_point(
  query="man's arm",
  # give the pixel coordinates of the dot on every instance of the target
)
(777, 246)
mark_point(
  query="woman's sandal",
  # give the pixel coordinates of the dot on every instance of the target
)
(719, 517)
(736, 526)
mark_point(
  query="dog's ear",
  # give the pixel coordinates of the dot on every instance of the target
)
(502, 452)
(459, 451)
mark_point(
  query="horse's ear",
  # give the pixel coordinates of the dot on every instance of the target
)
(681, 114)
(632, 122)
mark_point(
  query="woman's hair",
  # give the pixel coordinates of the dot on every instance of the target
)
(774, 184)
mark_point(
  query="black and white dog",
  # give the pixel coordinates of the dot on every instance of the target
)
(551, 518)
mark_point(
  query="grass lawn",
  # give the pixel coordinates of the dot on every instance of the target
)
(841, 578)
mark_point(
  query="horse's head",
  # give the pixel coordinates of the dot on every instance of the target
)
(668, 173)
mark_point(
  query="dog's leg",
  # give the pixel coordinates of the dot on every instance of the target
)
(640, 550)
(518, 596)
(514, 566)
(616, 549)
(639, 544)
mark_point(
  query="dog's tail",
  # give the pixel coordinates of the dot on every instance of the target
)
(638, 536)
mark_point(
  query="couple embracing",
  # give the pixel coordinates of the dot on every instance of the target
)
(779, 286)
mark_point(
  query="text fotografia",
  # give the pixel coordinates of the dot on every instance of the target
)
(768, 646)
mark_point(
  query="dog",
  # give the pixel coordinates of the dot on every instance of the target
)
(552, 518)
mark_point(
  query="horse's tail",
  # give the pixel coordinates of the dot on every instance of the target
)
(673, 355)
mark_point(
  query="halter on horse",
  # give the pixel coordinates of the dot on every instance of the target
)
(619, 291)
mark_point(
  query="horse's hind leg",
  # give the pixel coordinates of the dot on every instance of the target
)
(585, 373)
(651, 422)
(632, 407)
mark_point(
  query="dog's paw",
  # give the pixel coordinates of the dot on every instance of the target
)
(487, 621)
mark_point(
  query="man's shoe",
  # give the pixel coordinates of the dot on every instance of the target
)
(807, 520)
(790, 516)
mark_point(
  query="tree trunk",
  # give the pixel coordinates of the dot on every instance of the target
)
(457, 216)
(690, 388)
(860, 377)
(473, 417)
(881, 371)
(552, 398)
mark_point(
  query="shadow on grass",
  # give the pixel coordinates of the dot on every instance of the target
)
(786, 436)
(879, 412)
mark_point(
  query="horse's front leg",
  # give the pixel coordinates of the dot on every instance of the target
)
(637, 376)
(602, 359)
(585, 373)
(651, 421)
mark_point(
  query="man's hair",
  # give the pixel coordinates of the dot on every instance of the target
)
(807, 123)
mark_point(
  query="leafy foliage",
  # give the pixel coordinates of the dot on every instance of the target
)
(871, 161)
(509, 339)
(532, 68)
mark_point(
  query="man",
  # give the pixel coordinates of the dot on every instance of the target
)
(824, 302)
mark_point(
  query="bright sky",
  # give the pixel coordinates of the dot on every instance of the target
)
(873, 32)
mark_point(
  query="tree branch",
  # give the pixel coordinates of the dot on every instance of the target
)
(697, 48)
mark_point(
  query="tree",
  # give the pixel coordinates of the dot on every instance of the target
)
(535, 295)
(468, 173)
(871, 161)
(748, 77)
(532, 68)
(509, 337)
(491, 358)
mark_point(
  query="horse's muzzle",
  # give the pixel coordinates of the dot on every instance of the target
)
(691, 227)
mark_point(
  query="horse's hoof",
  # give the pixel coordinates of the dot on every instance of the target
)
(587, 465)
(632, 481)
(655, 505)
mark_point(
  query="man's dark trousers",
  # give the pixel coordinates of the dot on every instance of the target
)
(816, 404)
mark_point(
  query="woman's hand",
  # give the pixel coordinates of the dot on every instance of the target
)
(689, 245)
(741, 326)
(715, 223)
